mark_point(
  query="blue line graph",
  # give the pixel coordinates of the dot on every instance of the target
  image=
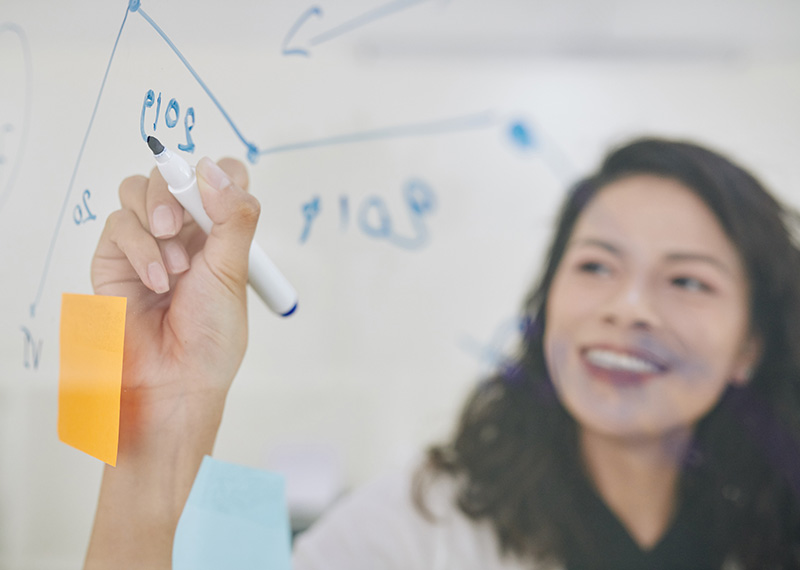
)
(252, 149)
(61, 216)
(465, 122)
(480, 120)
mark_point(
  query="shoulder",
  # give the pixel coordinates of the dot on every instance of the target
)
(379, 527)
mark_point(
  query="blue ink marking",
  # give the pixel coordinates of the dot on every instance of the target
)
(494, 355)
(252, 149)
(344, 210)
(310, 211)
(171, 116)
(419, 197)
(467, 122)
(78, 213)
(420, 200)
(525, 137)
(189, 145)
(384, 227)
(252, 153)
(175, 109)
(375, 220)
(26, 56)
(158, 110)
(521, 135)
(313, 11)
(32, 351)
(476, 121)
(61, 216)
(364, 19)
(149, 99)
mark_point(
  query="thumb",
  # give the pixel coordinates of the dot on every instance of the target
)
(235, 216)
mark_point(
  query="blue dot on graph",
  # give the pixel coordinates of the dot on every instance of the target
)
(521, 135)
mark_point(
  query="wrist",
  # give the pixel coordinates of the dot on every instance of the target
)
(162, 444)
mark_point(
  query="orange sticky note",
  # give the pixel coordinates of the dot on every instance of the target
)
(90, 375)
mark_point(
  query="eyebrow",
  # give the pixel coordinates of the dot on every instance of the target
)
(673, 257)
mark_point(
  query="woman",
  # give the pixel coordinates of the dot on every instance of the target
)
(651, 419)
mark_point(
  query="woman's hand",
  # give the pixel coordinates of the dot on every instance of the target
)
(186, 328)
(185, 337)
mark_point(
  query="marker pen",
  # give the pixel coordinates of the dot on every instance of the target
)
(263, 276)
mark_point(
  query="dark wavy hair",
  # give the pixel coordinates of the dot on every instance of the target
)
(515, 451)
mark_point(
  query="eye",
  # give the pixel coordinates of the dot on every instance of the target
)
(594, 267)
(691, 284)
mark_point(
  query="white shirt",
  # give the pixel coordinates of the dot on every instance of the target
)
(378, 527)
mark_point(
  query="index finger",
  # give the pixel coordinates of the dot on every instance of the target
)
(164, 213)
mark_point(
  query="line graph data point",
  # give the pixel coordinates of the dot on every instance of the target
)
(133, 5)
(521, 135)
(252, 153)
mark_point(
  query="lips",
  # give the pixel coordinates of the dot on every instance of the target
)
(622, 366)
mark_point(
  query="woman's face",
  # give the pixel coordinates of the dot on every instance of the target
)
(647, 316)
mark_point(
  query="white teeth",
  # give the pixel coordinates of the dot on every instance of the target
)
(617, 361)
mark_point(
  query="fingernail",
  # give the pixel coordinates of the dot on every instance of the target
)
(176, 257)
(212, 174)
(163, 222)
(158, 277)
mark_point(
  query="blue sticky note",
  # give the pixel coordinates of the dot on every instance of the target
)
(235, 517)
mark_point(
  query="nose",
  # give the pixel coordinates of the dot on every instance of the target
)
(631, 306)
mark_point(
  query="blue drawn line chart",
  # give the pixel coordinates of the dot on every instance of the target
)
(354, 23)
(475, 121)
(64, 205)
(6, 127)
(252, 149)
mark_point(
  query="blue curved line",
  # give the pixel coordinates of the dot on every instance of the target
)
(252, 148)
(26, 56)
(313, 11)
(75, 171)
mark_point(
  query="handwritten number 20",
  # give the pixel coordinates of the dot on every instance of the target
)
(81, 215)
(171, 115)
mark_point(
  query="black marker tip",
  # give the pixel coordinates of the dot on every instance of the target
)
(155, 145)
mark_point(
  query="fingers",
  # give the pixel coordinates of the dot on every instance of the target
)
(164, 213)
(235, 216)
(151, 232)
(128, 235)
(124, 239)
(236, 171)
(159, 213)
(151, 200)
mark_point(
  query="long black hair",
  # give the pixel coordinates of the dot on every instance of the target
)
(516, 447)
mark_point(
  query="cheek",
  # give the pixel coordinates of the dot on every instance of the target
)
(569, 302)
(556, 349)
(711, 342)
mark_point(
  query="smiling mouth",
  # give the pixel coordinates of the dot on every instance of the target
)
(623, 368)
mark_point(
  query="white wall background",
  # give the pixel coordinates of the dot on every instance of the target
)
(387, 340)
